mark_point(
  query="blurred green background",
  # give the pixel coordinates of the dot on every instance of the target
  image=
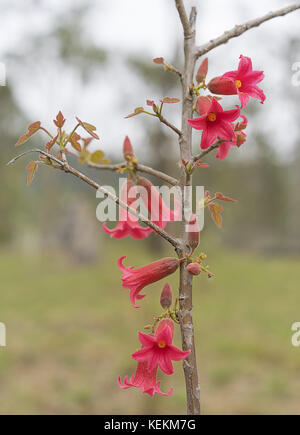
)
(70, 327)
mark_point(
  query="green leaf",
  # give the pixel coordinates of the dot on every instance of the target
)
(98, 157)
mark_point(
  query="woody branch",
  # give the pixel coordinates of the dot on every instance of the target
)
(64, 165)
(242, 28)
(185, 282)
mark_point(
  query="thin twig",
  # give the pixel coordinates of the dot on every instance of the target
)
(176, 71)
(168, 124)
(69, 169)
(158, 174)
(141, 168)
(241, 28)
(183, 18)
(205, 152)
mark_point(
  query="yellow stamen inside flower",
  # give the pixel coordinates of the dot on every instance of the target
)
(212, 116)
(238, 83)
(161, 344)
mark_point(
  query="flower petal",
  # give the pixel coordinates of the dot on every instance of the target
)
(176, 354)
(165, 335)
(165, 363)
(198, 123)
(146, 339)
(142, 355)
(245, 65)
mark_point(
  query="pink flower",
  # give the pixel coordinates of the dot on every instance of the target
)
(159, 213)
(158, 350)
(238, 140)
(245, 81)
(216, 123)
(128, 223)
(145, 380)
(136, 279)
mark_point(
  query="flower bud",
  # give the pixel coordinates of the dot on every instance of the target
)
(202, 71)
(193, 233)
(127, 148)
(166, 297)
(222, 85)
(202, 105)
(162, 324)
(194, 268)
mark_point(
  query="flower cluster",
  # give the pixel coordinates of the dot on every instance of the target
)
(157, 351)
(217, 125)
(220, 128)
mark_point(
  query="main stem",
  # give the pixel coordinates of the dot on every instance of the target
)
(185, 284)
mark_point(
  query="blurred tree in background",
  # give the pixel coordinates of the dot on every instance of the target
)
(267, 214)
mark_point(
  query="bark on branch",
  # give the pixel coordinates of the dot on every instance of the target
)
(242, 28)
(140, 168)
(63, 165)
(185, 282)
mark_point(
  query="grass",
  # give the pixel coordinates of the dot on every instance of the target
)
(71, 330)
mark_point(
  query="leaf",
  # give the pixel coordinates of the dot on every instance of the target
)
(169, 100)
(89, 128)
(31, 168)
(200, 164)
(97, 156)
(84, 156)
(216, 210)
(51, 142)
(137, 111)
(32, 128)
(221, 197)
(159, 60)
(86, 141)
(60, 120)
(74, 141)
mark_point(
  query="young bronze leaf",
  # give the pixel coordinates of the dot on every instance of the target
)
(169, 100)
(74, 141)
(137, 111)
(31, 168)
(89, 128)
(221, 197)
(50, 144)
(201, 164)
(215, 211)
(60, 120)
(32, 128)
(159, 60)
(86, 141)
